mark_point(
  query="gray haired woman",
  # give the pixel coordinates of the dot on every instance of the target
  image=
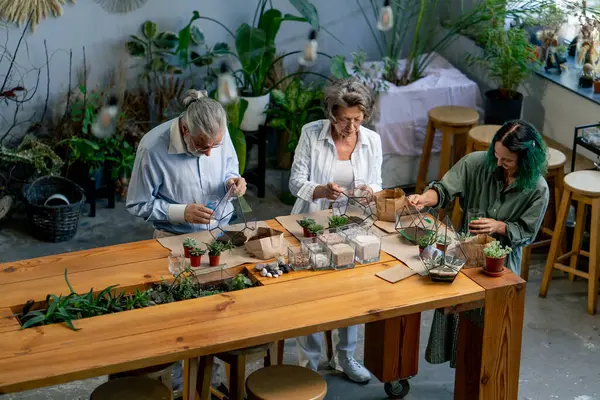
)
(180, 165)
(332, 155)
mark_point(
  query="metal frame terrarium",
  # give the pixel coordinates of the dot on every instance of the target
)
(356, 204)
(232, 210)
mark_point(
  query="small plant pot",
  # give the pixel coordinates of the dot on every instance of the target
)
(186, 252)
(494, 265)
(214, 261)
(597, 86)
(441, 246)
(421, 249)
(195, 261)
(308, 234)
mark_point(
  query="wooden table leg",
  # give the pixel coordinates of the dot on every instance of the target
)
(489, 358)
(392, 347)
(190, 375)
(204, 377)
(280, 350)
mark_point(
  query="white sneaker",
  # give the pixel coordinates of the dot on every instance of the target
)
(354, 370)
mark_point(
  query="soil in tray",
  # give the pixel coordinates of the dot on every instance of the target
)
(237, 238)
(76, 306)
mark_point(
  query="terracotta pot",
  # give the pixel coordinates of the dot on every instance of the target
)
(186, 251)
(597, 86)
(494, 264)
(195, 261)
(441, 247)
(421, 249)
(214, 261)
(307, 234)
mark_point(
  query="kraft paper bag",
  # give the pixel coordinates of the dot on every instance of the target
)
(267, 243)
(473, 247)
(388, 202)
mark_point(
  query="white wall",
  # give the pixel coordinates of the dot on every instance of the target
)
(103, 35)
(554, 110)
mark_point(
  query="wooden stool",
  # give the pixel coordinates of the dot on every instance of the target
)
(235, 364)
(584, 188)
(454, 122)
(480, 137)
(286, 382)
(555, 178)
(162, 373)
(133, 387)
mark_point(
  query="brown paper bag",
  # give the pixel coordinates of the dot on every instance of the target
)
(473, 247)
(267, 243)
(388, 202)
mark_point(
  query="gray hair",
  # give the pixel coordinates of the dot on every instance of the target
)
(203, 115)
(348, 92)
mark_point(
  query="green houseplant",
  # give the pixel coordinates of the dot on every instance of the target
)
(314, 230)
(305, 223)
(215, 249)
(196, 256)
(495, 254)
(509, 59)
(442, 242)
(189, 244)
(337, 221)
(426, 240)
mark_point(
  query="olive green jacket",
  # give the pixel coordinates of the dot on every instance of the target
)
(479, 187)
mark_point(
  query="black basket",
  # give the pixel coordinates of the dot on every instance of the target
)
(54, 223)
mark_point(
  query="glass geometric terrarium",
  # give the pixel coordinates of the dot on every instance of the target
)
(233, 219)
(357, 204)
(414, 224)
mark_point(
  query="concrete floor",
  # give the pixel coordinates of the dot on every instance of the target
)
(561, 342)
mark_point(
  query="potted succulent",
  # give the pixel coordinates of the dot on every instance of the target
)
(426, 240)
(337, 221)
(462, 236)
(442, 242)
(314, 230)
(195, 256)
(495, 254)
(305, 223)
(214, 251)
(189, 244)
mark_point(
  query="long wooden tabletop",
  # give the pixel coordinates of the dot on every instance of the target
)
(112, 343)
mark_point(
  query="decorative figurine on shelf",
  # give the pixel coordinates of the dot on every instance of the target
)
(552, 58)
(586, 80)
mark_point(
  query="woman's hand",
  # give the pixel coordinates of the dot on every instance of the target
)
(487, 226)
(330, 191)
(427, 199)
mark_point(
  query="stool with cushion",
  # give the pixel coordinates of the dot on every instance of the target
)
(582, 187)
(454, 122)
(285, 382)
(133, 387)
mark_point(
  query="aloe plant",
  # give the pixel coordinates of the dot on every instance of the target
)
(315, 229)
(216, 248)
(336, 221)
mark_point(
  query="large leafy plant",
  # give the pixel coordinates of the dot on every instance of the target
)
(293, 107)
(235, 115)
(508, 56)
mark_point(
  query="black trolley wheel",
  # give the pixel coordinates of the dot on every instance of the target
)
(397, 389)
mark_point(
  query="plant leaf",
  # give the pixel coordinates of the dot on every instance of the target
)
(201, 61)
(67, 279)
(149, 29)
(308, 11)
(278, 123)
(221, 48)
(338, 67)
(278, 97)
(166, 40)
(239, 143)
(242, 110)
(250, 44)
(33, 321)
(184, 41)
(196, 35)
(136, 49)
(270, 22)
(304, 99)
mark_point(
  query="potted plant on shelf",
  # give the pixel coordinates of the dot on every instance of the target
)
(509, 59)
(314, 230)
(442, 242)
(195, 256)
(188, 245)
(305, 223)
(495, 254)
(337, 221)
(426, 240)
(214, 251)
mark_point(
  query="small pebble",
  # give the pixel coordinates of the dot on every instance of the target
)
(259, 267)
(275, 276)
(273, 265)
(280, 260)
(263, 272)
(286, 268)
(269, 275)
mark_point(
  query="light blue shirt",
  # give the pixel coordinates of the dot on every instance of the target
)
(166, 178)
(315, 160)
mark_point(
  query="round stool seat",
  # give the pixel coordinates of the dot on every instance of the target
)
(285, 382)
(134, 387)
(584, 182)
(454, 115)
(484, 133)
(555, 158)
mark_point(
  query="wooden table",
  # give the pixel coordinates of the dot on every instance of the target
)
(489, 358)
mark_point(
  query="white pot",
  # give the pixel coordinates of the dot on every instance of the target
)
(255, 113)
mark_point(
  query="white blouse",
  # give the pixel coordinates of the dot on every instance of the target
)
(343, 174)
(315, 160)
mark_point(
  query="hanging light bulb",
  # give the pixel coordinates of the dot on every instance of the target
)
(386, 17)
(227, 89)
(106, 122)
(309, 56)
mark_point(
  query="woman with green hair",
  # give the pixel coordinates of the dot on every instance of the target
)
(507, 184)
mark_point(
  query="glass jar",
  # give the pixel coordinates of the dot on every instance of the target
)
(319, 254)
(367, 247)
(342, 255)
(298, 259)
(332, 236)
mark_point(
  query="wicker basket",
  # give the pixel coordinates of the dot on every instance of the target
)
(54, 223)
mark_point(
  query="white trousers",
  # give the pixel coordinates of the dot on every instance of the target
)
(309, 347)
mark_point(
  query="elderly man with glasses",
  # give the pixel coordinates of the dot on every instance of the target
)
(183, 164)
